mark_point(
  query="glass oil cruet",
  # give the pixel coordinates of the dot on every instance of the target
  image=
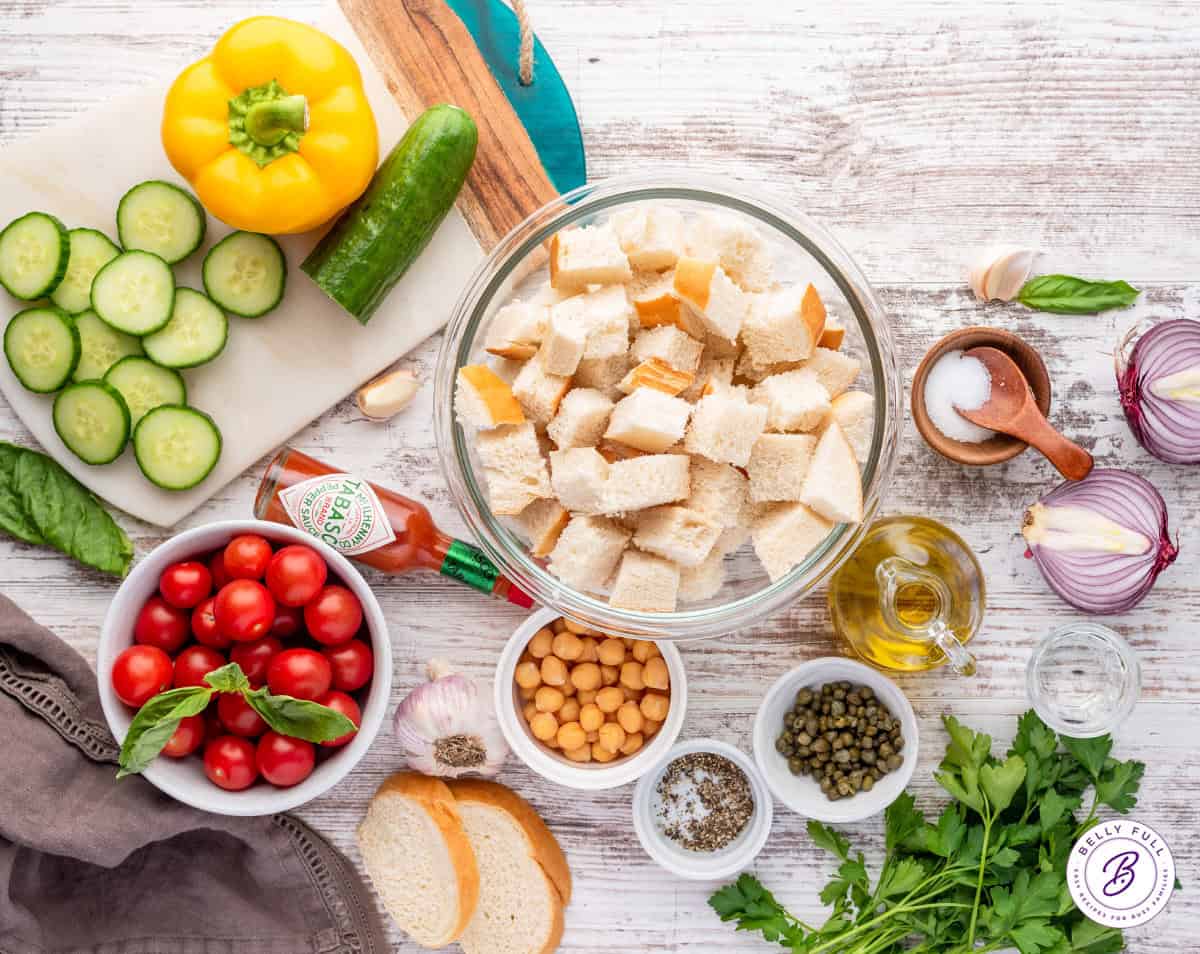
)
(910, 597)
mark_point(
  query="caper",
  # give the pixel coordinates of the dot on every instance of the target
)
(867, 757)
(821, 745)
(795, 766)
(894, 762)
(841, 756)
(837, 708)
(781, 744)
(812, 727)
(804, 738)
(803, 751)
(868, 783)
(886, 749)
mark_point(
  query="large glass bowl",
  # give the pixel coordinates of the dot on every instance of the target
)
(803, 252)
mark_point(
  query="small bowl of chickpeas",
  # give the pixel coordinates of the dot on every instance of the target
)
(586, 709)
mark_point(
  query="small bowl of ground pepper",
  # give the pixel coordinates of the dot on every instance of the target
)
(835, 740)
(704, 811)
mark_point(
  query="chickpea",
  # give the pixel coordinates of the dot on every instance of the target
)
(632, 695)
(645, 649)
(577, 628)
(631, 718)
(590, 653)
(631, 676)
(650, 728)
(539, 646)
(559, 625)
(628, 642)
(525, 694)
(548, 699)
(610, 699)
(569, 711)
(543, 726)
(612, 736)
(655, 674)
(586, 676)
(593, 737)
(571, 736)
(581, 754)
(591, 718)
(554, 671)
(633, 742)
(529, 710)
(612, 652)
(609, 675)
(568, 647)
(568, 687)
(655, 706)
(551, 743)
(528, 675)
(601, 754)
(586, 696)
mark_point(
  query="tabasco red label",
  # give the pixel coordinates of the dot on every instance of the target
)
(339, 510)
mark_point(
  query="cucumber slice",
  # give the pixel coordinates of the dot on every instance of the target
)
(34, 251)
(101, 346)
(92, 420)
(42, 347)
(195, 334)
(134, 293)
(245, 273)
(145, 386)
(90, 252)
(176, 446)
(162, 218)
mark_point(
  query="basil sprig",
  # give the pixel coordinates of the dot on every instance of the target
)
(157, 720)
(1068, 295)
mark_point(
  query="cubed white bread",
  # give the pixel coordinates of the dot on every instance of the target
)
(717, 347)
(579, 476)
(513, 467)
(657, 374)
(541, 523)
(721, 305)
(603, 374)
(733, 242)
(836, 370)
(719, 491)
(483, 400)
(784, 534)
(650, 235)
(724, 427)
(649, 420)
(516, 330)
(779, 465)
(590, 255)
(652, 295)
(539, 392)
(795, 401)
(833, 487)
(645, 584)
(647, 481)
(547, 294)
(524, 880)
(581, 419)
(676, 533)
(746, 369)
(587, 551)
(703, 581)
(784, 325)
(834, 333)
(670, 345)
(733, 538)
(609, 317)
(566, 336)
(855, 413)
(419, 857)
(506, 369)
(712, 375)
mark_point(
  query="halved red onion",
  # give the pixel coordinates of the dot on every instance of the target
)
(1160, 389)
(1102, 541)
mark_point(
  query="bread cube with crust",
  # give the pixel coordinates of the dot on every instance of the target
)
(784, 534)
(647, 481)
(539, 392)
(541, 523)
(795, 401)
(579, 476)
(833, 486)
(836, 370)
(733, 242)
(779, 465)
(670, 345)
(784, 325)
(650, 235)
(703, 581)
(855, 413)
(676, 533)
(589, 255)
(566, 336)
(721, 305)
(719, 492)
(656, 374)
(724, 427)
(645, 583)
(513, 467)
(654, 300)
(581, 419)
(649, 420)
(712, 375)
(603, 374)
(834, 333)
(483, 400)
(587, 551)
(516, 330)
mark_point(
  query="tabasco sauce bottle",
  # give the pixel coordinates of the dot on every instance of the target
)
(371, 524)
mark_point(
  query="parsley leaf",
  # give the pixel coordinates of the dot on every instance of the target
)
(830, 840)
(1091, 753)
(1054, 807)
(1000, 782)
(755, 909)
(1118, 784)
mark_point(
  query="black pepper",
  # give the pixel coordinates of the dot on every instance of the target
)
(705, 801)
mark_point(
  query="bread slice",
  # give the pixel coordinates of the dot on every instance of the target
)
(419, 857)
(645, 583)
(525, 880)
(833, 487)
(484, 400)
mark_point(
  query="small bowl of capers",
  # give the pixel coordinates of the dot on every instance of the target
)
(835, 740)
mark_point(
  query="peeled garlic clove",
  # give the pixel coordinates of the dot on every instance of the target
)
(1000, 272)
(387, 395)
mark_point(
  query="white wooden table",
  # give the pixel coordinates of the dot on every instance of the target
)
(917, 132)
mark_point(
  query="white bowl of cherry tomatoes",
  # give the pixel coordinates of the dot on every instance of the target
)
(301, 624)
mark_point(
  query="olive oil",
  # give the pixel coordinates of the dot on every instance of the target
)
(910, 597)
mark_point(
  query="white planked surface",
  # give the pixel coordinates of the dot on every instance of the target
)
(916, 131)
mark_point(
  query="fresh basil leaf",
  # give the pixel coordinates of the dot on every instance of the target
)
(1000, 782)
(299, 718)
(156, 722)
(1118, 784)
(830, 840)
(1091, 753)
(229, 678)
(1068, 295)
(68, 516)
(13, 518)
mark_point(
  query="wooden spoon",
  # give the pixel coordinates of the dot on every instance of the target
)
(1011, 410)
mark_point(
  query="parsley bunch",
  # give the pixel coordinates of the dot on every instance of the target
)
(988, 874)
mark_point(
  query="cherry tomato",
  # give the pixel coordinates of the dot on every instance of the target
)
(303, 673)
(140, 673)
(229, 763)
(188, 737)
(184, 585)
(296, 574)
(255, 657)
(161, 625)
(238, 716)
(216, 566)
(194, 663)
(347, 707)
(212, 723)
(353, 664)
(284, 761)
(289, 620)
(247, 556)
(204, 625)
(245, 610)
(333, 616)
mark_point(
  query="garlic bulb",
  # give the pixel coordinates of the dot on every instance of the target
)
(1000, 272)
(387, 395)
(448, 726)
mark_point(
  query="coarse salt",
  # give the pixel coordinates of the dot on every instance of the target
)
(958, 381)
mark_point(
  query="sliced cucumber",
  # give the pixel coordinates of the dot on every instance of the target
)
(101, 346)
(145, 386)
(134, 293)
(90, 252)
(162, 218)
(195, 334)
(92, 420)
(42, 347)
(245, 273)
(176, 446)
(34, 251)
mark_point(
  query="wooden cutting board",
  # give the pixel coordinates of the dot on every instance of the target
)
(280, 372)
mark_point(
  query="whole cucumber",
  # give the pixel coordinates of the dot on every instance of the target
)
(377, 238)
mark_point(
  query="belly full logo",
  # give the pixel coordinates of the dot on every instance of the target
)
(1121, 874)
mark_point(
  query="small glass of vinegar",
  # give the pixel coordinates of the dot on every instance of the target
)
(910, 597)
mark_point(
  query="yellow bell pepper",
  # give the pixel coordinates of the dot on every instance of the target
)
(272, 129)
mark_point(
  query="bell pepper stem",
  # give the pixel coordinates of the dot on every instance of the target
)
(267, 123)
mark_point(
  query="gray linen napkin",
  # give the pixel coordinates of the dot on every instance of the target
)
(89, 865)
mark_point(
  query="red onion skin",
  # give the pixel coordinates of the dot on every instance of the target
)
(1170, 430)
